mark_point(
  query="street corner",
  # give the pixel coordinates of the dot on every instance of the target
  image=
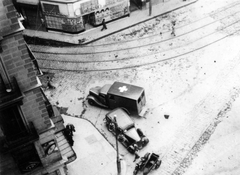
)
(95, 155)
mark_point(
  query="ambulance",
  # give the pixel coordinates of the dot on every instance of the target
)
(110, 96)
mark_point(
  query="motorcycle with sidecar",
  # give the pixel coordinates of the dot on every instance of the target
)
(148, 162)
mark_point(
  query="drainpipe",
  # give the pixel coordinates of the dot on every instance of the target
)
(5, 76)
(150, 7)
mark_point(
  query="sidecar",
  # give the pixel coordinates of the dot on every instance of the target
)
(148, 162)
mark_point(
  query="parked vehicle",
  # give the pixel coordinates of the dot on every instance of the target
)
(147, 163)
(130, 137)
(111, 96)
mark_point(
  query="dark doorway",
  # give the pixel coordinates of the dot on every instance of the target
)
(135, 5)
(88, 21)
(11, 123)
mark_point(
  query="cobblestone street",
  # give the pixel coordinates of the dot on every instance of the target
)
(193, 77)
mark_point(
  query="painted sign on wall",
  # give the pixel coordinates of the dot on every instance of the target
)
(112, 12)
(64, 23)
(89, 6)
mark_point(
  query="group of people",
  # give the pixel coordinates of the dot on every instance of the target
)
(68, 132)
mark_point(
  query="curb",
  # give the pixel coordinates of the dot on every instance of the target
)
(123, 162)
(93, 40)
(51, 40)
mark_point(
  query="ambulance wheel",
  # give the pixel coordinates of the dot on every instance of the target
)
(145, 140)
(91, 102)
(131, 149)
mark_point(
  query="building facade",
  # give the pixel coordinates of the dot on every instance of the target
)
(31, 129)
(71, 16)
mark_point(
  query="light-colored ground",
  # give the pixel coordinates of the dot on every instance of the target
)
(199, 90)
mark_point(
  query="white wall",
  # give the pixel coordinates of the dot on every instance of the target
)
(31, 2)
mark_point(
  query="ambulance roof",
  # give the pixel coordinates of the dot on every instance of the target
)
(125, 90)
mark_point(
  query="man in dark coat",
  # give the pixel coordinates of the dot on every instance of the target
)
(71, 128)
(68, 136)
(104, 25)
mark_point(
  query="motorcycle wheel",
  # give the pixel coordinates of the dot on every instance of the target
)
(158, 164)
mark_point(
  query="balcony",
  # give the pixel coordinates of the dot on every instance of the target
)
(11, 97)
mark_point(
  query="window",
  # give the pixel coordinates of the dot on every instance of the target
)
(54, 22)
(51, 9)
(111, 97)
(11, 123)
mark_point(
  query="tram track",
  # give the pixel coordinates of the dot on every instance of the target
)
(140, 42)
(192, 8)
(94, 68)
(207, 32)
(144, 60)
(152, 49)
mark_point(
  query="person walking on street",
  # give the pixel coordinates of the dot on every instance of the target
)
(136, 156)
(136, 153)
(104, 25)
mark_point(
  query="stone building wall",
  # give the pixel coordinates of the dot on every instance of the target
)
(16, 64)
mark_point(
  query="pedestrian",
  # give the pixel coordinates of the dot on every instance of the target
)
(104, 25)
(70, 140)
(49, 83)
(71, 128)
(136, 156)
(173, 28)
(68, 136)
(136, 153)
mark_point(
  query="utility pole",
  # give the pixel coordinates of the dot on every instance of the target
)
(116, 134)
(150, 7)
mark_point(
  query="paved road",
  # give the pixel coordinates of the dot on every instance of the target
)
(193, 77)
(191, 36)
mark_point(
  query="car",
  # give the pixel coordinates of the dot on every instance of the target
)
(118, 94)
(131, 138)
(148, 162)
